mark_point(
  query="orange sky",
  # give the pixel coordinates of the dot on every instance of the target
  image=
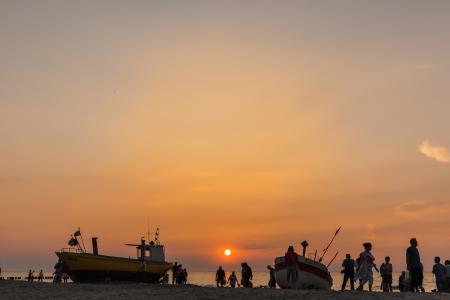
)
(251, 126)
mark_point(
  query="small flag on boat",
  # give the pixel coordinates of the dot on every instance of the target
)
(77, 233)
(73, 242)
(157, 236)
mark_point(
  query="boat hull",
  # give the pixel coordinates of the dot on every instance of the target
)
(85, 267)
(310, 275)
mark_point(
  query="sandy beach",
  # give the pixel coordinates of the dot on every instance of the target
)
(25, 290)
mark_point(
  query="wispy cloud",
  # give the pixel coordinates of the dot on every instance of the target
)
(417, 206)
(438, 153)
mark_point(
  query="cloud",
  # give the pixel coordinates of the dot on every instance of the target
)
(419, 208)
(439, 153)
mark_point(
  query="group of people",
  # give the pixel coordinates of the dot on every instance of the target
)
(61, 273)
(411, 280)
(39, 278)
(179, 274)
(246, 277)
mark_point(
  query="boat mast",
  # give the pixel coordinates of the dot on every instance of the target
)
(331, 242)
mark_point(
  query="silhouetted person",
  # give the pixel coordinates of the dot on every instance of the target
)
(420, 284)
(185, 274)
(447, 273)
(291, 261)
(65, 274)
(402, 284)
(272, 281)
(220, 277)
(58, 271)
(246, 275)
(349, 272)
(439, 274)
(30, 276)
(41, 276)
(233, 280)
(365, 265)
(413, 265)
(165, 279)
(174, 272)
(386, 275)
(180, 274)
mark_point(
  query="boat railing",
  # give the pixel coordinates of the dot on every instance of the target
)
(71, 250)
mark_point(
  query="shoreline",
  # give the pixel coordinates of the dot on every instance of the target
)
(10, 289)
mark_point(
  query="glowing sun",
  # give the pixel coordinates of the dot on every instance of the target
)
(227, 252)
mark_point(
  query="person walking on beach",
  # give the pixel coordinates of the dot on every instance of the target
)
(246, 275)
(291, 261)
(174, 272)
(41, 276)
(386, 275)
(413, 265)
(365, 265)
(447, 274)
(220, 277)
(272, 281)
(30, 276)
(232, 280)
(439, 274)
(349, 272)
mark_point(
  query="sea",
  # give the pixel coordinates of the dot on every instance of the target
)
(260, 279)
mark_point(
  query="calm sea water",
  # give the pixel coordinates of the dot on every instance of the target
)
(259, 279)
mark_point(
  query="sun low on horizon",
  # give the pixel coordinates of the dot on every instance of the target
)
(227, 252)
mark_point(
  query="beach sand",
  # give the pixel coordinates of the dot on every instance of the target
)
(25, 290)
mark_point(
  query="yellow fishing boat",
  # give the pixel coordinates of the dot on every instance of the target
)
(149, 265)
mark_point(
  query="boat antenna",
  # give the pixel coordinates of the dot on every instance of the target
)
(148, 229)
(332, 259)
(315, 255)
(331, 242)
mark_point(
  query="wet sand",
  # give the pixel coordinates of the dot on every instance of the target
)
(25, 290)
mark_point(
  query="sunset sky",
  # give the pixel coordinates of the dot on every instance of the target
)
(249, 125)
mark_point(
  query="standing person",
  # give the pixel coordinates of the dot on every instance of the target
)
(246, 275)
(349, 272)
(174, 272)
(366, 263)
(439, 274)
(220, 277)
(447, 273)
(272, 280)
(58, 272)
(386, 274)
(30, 276)
(232, 280)
(413, 265)
(179, 274)
(65, 273)
(41, 276)
(185, 276)
(291, 261)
